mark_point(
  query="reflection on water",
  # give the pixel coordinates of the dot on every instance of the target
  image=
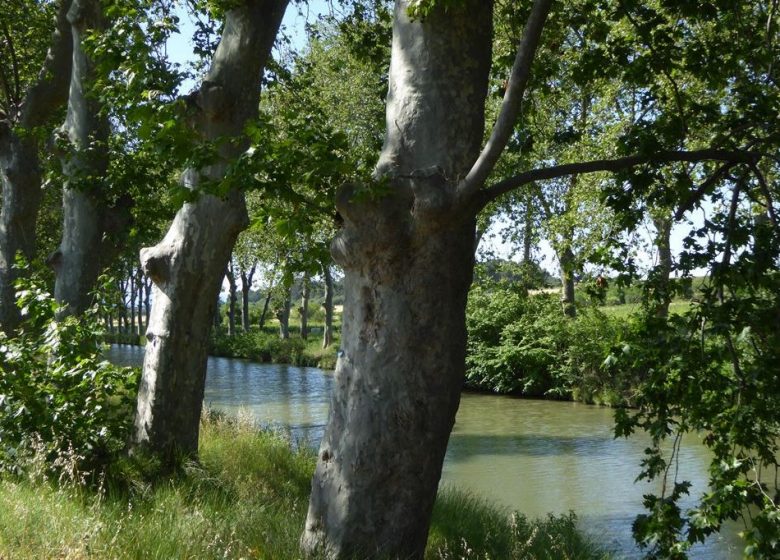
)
(527, 455)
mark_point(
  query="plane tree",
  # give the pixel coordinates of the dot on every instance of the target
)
(35, 68)
(408, 255)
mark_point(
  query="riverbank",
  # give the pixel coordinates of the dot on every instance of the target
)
(246, 498)
(261, 346)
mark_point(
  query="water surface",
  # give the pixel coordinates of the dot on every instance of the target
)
(532, 456)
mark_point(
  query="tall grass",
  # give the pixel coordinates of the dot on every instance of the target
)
(246, 498)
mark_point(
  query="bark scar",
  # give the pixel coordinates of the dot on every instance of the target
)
(155, 264)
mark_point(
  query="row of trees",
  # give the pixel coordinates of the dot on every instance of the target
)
(676, 101)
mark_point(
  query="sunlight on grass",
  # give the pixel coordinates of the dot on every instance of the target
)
(246, 498)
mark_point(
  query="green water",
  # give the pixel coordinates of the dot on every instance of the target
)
(528, 455)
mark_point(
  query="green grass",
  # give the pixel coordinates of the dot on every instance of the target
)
(624, 311)
(247, 498)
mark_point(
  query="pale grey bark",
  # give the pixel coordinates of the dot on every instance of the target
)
(408, 263)
(327, 332)
(20, 171)
(304, 311)
(187, 266)
(513, 97)
(78, 260)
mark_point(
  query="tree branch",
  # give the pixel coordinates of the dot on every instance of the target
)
(510, 108)
(14, 61)
(50, 91)
(702, 189)
(484, 196)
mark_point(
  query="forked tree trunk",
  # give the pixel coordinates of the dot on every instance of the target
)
(20, 171)
(408, 263)
(305, 308)
(327, 333)
(188, 265)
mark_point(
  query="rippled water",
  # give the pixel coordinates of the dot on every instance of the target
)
(528, 455)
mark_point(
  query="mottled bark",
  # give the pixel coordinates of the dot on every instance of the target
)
(304, 311)
(188, 265)
(79, 259)
(408, 263)
(20, 171)
(327, 333)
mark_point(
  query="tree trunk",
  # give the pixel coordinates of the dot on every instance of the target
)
(261, 322)
(304, 311)
(20, 171)
(566, 258)
(408, 260)
(232, 299)
(528, 232)
(77, 261)
(188, 265)
(283, 315)
(663, 272)
(122, 307)
(327, 333)
(246, 285)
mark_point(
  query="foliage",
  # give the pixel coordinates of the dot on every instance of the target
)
(524, 344)
(57, 397)
(246, 498)
(259, 346)
(25, 32)
(712, 371)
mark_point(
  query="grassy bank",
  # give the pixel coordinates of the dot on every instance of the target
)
(263, 346)
(247, 498)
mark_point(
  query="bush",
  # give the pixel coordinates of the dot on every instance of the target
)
(525, 345)
(259, 346)
(58, 398)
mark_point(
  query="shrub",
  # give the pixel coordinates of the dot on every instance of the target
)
(58, 398)
(524, 344)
